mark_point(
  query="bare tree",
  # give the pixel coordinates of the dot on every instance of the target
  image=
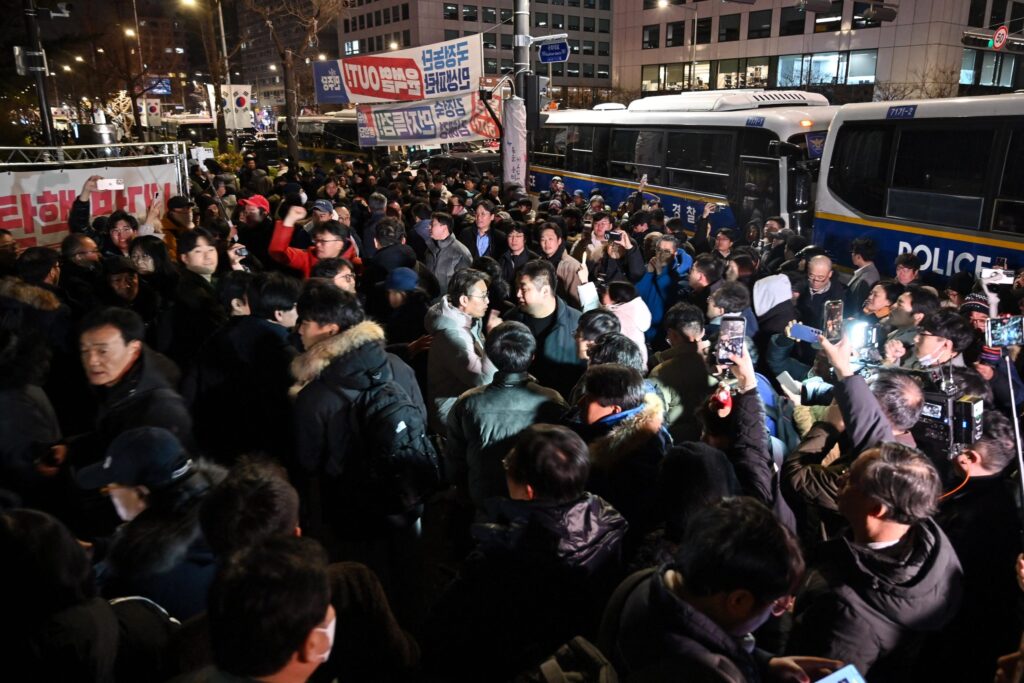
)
(312, 17)
(930, 83)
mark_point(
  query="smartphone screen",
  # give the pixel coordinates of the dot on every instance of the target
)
(999, 262)
(1005, 331)
(730, 339)
(110, 184)
(834, 321)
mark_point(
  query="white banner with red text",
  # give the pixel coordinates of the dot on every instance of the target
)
(453, 67)
(463, 118)
(34, 205)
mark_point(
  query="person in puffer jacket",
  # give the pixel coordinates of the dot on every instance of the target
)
(542, 569)
(634, 316)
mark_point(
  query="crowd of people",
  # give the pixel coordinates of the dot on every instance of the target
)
(405, 425)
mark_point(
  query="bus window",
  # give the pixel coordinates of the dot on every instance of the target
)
(1008, 215)
(755, 142)
(621, 155)
(860, 164)
(700, 161)
(939, 176)
(549, 147)
(650, 155)
(582, 157)
(759, 190)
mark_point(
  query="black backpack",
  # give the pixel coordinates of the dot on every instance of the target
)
(390, 443)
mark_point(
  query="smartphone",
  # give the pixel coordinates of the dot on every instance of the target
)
(1005, 277)
(243, 252)
(643, 179)
(1005, 331)
(730, 339)
(714, 208)
(614, 236)
(848, 674)
(804, 333)
(789, 384)
(834, 321)
(110, 184)
(999, 263)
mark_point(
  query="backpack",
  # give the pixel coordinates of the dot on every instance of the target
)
(578, 661)
(778, 412)
(396, 456)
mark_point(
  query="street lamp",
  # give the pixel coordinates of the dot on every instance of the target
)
(223, 37)
(78, 58)
(129, 32)
(66, 67)
(662, 4)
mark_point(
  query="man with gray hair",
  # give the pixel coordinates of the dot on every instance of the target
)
(893, 578)
(821, 287)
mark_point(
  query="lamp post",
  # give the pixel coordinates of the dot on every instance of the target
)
(662, 4)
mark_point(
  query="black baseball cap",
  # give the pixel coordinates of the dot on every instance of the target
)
(179, 202)
(145, 456)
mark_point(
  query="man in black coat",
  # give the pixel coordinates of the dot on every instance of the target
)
(344, 354)
(238, 387)
(544, 562)
(692, 620)
(131, 382)
(983, 524)
(197, 312)
(482, 238)
(875, 594)
(392, 252)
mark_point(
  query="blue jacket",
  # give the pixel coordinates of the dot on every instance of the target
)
(661, 291)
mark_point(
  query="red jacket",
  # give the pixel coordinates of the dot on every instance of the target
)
(299, 259)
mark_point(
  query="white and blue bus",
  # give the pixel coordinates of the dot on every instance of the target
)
(941, 178)
(744, 150)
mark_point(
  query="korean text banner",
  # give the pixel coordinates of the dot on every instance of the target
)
(34, 205)
(453, 67)
(451, 119)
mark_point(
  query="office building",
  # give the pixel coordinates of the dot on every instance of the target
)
(849, 54)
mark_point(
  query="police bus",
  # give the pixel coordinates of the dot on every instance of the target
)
(941, 178)
(194, 128)
(752, 152)
(323, 138)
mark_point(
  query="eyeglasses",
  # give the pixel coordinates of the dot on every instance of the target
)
(347, 277)
(324, 241)
(485, 295)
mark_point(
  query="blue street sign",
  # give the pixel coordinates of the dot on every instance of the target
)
(554, 52)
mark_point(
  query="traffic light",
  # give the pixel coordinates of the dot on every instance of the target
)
(536, 99)
(973, 37)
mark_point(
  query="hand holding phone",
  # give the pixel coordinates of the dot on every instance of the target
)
(834, 321)
(730, 339)
(800, 332)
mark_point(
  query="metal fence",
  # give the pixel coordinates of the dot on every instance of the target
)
(85, 156)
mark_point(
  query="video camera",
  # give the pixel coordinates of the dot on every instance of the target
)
(951, 421)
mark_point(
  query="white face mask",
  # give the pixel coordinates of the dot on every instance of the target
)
(329, 630)
(927, 360)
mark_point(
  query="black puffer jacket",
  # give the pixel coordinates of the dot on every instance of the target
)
(538, 577)
(324, 445)
(873, 608)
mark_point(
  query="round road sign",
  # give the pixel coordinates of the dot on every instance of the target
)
(999, 39)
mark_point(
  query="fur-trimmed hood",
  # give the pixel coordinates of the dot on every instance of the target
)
(308, 366)
(630, 432)
(29, 295)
